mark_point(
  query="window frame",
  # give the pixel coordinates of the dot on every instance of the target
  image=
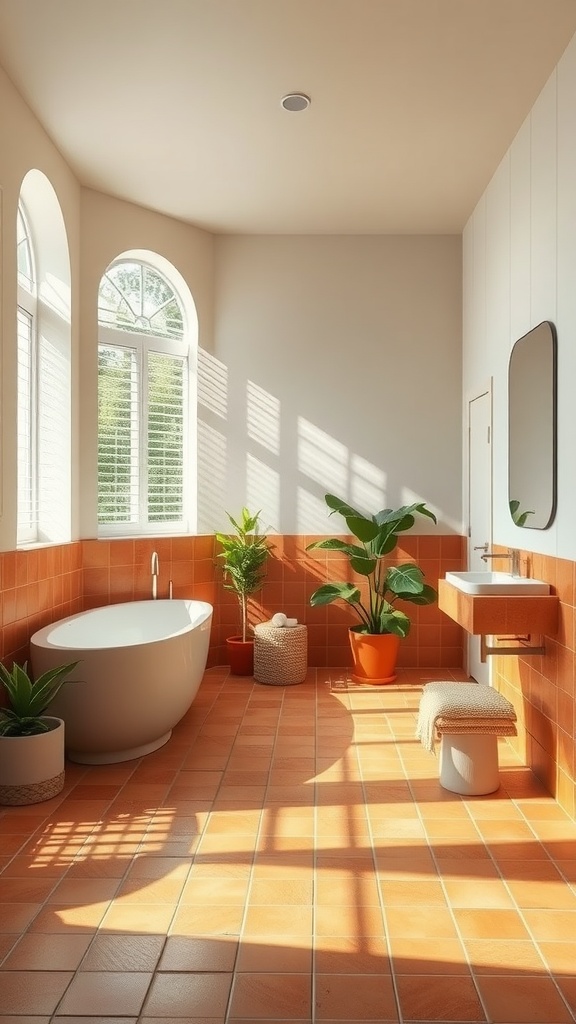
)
(143, 344)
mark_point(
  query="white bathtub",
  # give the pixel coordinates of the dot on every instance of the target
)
(141, 664)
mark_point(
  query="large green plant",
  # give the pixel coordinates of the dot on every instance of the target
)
(29, 699)
(243, 560)
(377, 536)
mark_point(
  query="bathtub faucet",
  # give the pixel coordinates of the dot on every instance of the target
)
(154, 569)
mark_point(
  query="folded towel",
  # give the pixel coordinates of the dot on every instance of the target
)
(279, 620)
(460, 702)
(482, 726)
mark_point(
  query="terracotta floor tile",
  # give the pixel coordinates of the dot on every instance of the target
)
(215, 920)
(215, 891)
(346, 889)
(105, 993)
(188, 996)
(501, 956)
(485, 924)
(412, 893)
(478, 892)
(190, 953)
(278, 919)
(34, 992)
(59, 917)
(288, 891)
(418, 956)
(25, 890)
(343, 954)
(354, 920)
(560, 957)
(47, 953)
(355, 998)
(148, 918)
(568, 988)
(347, 860)
(158, 867)
(135, 890)
(430, 922)
(15, 917)
(83, 890)
(524, 1000)
(446, 998)
(545, 895)
(268, 996)
(551, 925)
(123, 953)
(276, 954)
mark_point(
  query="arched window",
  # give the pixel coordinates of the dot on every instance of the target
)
(27, 358)
(43, 367)
(143, 402)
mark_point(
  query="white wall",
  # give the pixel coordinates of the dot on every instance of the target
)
(24, 145)
(336, 367)
(325, 363)
(520, 269)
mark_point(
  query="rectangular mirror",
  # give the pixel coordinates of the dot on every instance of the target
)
(532, 428)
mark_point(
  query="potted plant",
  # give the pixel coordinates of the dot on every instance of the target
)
(243, 561)
(376, 638)
(31, 742)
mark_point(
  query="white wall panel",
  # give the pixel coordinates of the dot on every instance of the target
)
(520, 232)
(498, 331)
(357, 342)
(474, 343)
(566, 314)
(543, 218)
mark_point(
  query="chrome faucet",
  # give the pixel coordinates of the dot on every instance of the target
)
(513, 555)
(154, 569)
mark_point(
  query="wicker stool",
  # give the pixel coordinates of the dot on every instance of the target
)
(280, 654)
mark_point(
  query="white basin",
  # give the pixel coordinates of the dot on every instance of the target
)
(496, 583)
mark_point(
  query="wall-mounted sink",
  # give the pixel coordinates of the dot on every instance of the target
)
(497, 584)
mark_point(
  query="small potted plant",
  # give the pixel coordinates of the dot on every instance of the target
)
(31, 742)
(375, 640)
(243, 561)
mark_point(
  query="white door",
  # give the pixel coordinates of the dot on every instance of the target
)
(480, 506)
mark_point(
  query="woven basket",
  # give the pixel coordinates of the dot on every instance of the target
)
(32, 792)
(280, 654)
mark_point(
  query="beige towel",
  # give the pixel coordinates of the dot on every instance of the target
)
(464, 707)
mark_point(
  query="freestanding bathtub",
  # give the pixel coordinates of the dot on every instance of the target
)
(140, 666)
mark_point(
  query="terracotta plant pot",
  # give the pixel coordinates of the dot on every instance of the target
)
(374, 656)
(240, 656)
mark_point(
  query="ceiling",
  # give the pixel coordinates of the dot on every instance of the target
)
(175, 104)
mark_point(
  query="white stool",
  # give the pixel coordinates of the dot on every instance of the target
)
(468, 718)
(469, 763)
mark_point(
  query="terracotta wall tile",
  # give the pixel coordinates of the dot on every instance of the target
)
(543, 689)
(48, 583)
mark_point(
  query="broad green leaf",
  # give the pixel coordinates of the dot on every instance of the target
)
(330, 592)
(363, 564)
(405, 579)
(395, 622)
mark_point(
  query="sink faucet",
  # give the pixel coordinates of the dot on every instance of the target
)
(154, 569)
(513, 555)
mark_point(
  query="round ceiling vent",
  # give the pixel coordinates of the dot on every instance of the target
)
(295, 101)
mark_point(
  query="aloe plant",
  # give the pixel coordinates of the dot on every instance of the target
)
(243, 560)
(377, 536)
(29, 699)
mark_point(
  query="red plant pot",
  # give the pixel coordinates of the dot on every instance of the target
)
(240, 656)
